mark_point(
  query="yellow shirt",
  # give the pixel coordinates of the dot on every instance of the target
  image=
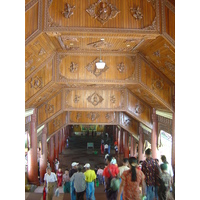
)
(90, 175)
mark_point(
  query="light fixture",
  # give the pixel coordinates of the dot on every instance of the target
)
(100, 64)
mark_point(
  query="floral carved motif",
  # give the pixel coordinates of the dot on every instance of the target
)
(139, 109)
(49, 108)
(121, 67)
(78, 116)
(128, 122)
(69, 38)
(170, 66)
(95, 99)
(100, 43)
(107, 116)
(73, 67)
(102, 11)
(91, 67)
(136, 13)
(112, 99)
(36, 82)
(157, 53)
(153, 3)
(28, 63)
(151, 27)
(76, 99)
(42, 51)
(65, 47)
(158, 84)
(56, 122)
(68, 10)
(93, 116)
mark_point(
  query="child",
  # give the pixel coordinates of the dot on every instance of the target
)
(66, 182)
(59, 177)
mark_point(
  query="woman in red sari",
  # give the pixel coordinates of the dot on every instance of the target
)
(131, 181)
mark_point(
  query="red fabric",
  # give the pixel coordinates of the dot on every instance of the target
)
(59, 177)
(115, 143)
(44, 194)
(113, 169)
(102, 149)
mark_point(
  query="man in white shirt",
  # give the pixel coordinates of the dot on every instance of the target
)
(50, 181)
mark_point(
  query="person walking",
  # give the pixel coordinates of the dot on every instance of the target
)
(110, 171)
(90, 178)
(71, 172)
(56, 165)
(59, 175)
(50, 181)
(66, 182)
(151, 172)
(132, 179)
(79, 183)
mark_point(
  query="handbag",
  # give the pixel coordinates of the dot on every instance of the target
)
(114, 183)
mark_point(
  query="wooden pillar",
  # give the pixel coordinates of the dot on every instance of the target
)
(43, 158)
(173, 135)
(56, 146)
(120, 141)
(140, 145)
(60, 143)
(125, 144)
(133, 147)
(154, 134)
(32, 153)
(51, 153)
(116, 134)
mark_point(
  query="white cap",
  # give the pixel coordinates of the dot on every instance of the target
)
(74, 164)
(87, 165)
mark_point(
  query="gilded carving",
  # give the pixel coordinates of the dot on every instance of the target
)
(93, 116)
(78, 116)
(76, 99)
(152, 26)
(49, 108)
(56, 122)
(139, 108)
(112, 99)
(153, 3)
(73, 67)
(28, 63)
(136, 12)
(121, 67)
(65, 47)
(69, 38)
(68, 10)
(170, 66)
(107, 116)
(102, 11)
(157, 53)
(36, 82)
(95, 99)
(100, 44)
(91, 67)
(42, 51)
(158, 84)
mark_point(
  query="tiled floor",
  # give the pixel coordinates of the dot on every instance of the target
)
(81, 156)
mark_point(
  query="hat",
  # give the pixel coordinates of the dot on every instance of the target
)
(74, 164)
(87, 165)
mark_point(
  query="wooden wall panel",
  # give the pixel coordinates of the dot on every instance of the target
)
(37, 52)
(170, 22)
(92, 117)
(129, 124)
(39, 80)
(118, 69)
(139, 109)
(94, 99)
(56, 123)
(27, 1)
(81, 18)
(49, 108)
(153, 81)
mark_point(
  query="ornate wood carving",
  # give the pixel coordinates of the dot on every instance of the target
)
(136, 13)
(112, 98)
(93, 116)
(121, 67)
(102, 11)
(107, 116)
(128, 122)
(28, 63)
(36, 82)
(153, 26)
(153, 3)
(49, 108)
(65, 47)
(100, 44)
(68, 10)
(91, 67)
(56, 123)
(157, 53)
(170, 66)
(69, 38)
(42, 51)
(95, 99)
(157, 84)
(73, 67)
(78, 116)
(139, 109)
(76, 99)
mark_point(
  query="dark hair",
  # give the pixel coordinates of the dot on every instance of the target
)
(163, 158)
(157, 160)
(125, 160)
(141, 161)
(148, 152)
(109, 158)
(133, 170)
(80, 168)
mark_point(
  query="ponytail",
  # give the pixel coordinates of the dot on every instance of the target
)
(133, 174)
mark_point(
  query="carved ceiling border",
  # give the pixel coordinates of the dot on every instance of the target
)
(172, 8)
(39, 29)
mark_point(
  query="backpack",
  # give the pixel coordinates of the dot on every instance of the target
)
(114, 183)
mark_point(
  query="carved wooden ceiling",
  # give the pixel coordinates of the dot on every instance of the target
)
(63, 40)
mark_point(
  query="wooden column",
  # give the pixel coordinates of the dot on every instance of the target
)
(56, 146)
(60, 144)
(51, 153)
(43, 158)
(125, 144)
(154, 134)
(140, 145)
(116, 133)
(133, 147)
(120, 141)
(173, 135)
(32, 153)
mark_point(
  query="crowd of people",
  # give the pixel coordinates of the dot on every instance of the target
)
(132, 181)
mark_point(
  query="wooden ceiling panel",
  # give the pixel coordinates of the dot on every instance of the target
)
(162, 56)
(101, 14)
(83, 69)
(37, 52)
